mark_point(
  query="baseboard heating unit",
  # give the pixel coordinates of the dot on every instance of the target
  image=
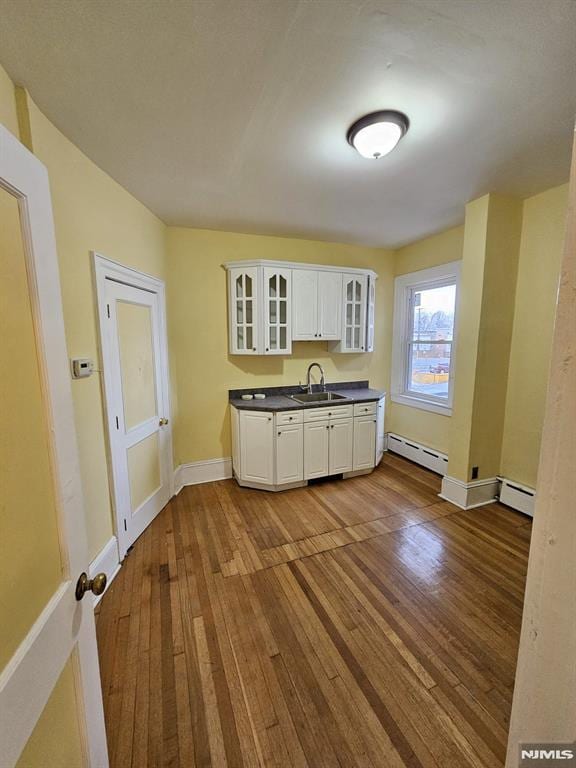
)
(420, 454)
(517, 496)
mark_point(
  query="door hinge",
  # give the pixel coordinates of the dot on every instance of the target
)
(117, 423)
(125, 527)
(108, 309)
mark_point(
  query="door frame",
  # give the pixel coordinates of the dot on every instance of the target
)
(106, 269)
(65, 627)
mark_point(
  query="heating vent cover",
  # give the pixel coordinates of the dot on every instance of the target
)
(421, 454)
(517, 496)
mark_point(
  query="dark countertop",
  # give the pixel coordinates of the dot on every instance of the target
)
(277, 397)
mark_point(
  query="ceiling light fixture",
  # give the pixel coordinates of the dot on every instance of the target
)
(376, 134)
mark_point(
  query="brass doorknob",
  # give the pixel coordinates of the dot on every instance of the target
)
(97, 585)
(163, 422)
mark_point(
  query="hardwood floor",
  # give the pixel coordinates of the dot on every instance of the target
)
(351, 623)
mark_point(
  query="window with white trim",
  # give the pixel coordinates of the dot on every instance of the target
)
(424, 334)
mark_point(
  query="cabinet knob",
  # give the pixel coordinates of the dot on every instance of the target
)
(331, 426)
(269, 418)
(290, 418)
(267, 349)
(253, 349)
(279, 433)
(327, 426)
(315, 335)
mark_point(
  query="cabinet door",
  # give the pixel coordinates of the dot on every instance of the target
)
(305, 304)
(341, 443)
(364, 442)
(380, 434)
(244, 309)
(277, 311)
(257, 447)
(316, 449)
(354, 320)
(370, 313)
(329, 305)
(289, 454)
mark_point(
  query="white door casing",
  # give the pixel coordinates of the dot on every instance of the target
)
(131, 308)
(65, 628)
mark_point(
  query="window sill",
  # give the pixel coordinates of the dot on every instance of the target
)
(422, 404)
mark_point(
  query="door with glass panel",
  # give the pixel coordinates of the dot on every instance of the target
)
(277, 321)
(244, 303)
(354, 322)
(135, 361)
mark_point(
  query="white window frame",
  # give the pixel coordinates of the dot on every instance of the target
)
(404, 288)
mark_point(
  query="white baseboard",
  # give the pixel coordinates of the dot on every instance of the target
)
(469, 495)
(106, 562)
(420, 454)
(202, 472)
(517, 496)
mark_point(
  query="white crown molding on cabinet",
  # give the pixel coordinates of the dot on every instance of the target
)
(196, 472)
(108, 562)
(297, 265)
(477, 493)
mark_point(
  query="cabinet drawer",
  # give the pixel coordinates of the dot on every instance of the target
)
(365, 409)
(289, 417)
(328, 412)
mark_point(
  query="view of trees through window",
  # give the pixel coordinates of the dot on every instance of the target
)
(430, 345)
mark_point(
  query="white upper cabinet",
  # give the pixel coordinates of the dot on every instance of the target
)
(329, 305)
(305, 306)
(244, 310)
(354, 298)
(277, 311)
(370, 314)
(317, 305)
(270, 304)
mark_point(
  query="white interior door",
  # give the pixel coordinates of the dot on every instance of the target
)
(135, 373)
(48, 653)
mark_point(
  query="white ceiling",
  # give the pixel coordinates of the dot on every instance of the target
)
(232, 114)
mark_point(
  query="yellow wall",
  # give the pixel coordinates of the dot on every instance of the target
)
(56, 741)
(431, 429)
(199, 333)
(8, 114)
(539, 265)
(91, 212)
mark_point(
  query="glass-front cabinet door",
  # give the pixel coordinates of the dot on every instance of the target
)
(370, 316)
(354, 323)
(277, 311)
(244, 311)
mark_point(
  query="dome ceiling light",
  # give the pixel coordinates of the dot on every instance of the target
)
(376, 134)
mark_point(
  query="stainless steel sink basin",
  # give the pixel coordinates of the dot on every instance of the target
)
(318, 397)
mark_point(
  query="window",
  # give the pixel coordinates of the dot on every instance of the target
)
(424, 333)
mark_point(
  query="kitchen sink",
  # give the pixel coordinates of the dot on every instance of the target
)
(318, 397)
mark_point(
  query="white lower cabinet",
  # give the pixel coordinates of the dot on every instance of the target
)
(257, 447)
(340, 446)
(316, 439)
(288, 448)
(289, 454)
(364, 442)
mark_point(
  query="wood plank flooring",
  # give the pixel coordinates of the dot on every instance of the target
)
(351, 623)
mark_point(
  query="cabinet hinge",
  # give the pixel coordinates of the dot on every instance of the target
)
(117, 423)
(125, 526)
(108, 309)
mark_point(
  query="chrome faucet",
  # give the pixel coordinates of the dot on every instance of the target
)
(308, 381)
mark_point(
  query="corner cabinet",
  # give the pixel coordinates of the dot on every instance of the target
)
(271, 304)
